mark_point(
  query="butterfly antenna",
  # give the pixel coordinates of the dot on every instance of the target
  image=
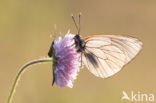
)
(75, 23)
(79, 23)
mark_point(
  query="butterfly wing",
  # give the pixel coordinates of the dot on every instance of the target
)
(105, 55)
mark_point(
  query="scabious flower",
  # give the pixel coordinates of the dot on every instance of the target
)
(68, 60)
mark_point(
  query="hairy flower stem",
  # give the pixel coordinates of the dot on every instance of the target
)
(22, 69)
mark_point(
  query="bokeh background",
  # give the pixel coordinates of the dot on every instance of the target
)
(25, 29)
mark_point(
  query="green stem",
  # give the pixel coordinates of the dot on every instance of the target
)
(22, 69)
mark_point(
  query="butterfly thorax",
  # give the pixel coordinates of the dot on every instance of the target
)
(80, 45)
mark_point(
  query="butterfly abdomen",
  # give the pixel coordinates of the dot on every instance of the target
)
(92, 59)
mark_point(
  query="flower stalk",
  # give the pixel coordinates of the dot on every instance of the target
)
(21, 71)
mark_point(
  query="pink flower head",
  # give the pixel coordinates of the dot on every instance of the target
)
(67, 60)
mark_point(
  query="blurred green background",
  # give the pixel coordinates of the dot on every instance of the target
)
(25, 29)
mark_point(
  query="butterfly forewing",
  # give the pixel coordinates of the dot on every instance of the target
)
(105, 55)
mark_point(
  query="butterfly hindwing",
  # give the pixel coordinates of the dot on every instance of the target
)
(105, 55)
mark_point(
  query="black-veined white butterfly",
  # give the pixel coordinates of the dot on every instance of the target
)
(105, 55)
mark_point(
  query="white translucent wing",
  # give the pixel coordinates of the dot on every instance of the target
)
(105, 55)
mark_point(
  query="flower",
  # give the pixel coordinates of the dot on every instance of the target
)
(67, 61)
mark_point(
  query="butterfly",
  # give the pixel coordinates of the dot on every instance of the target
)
(105, 55)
